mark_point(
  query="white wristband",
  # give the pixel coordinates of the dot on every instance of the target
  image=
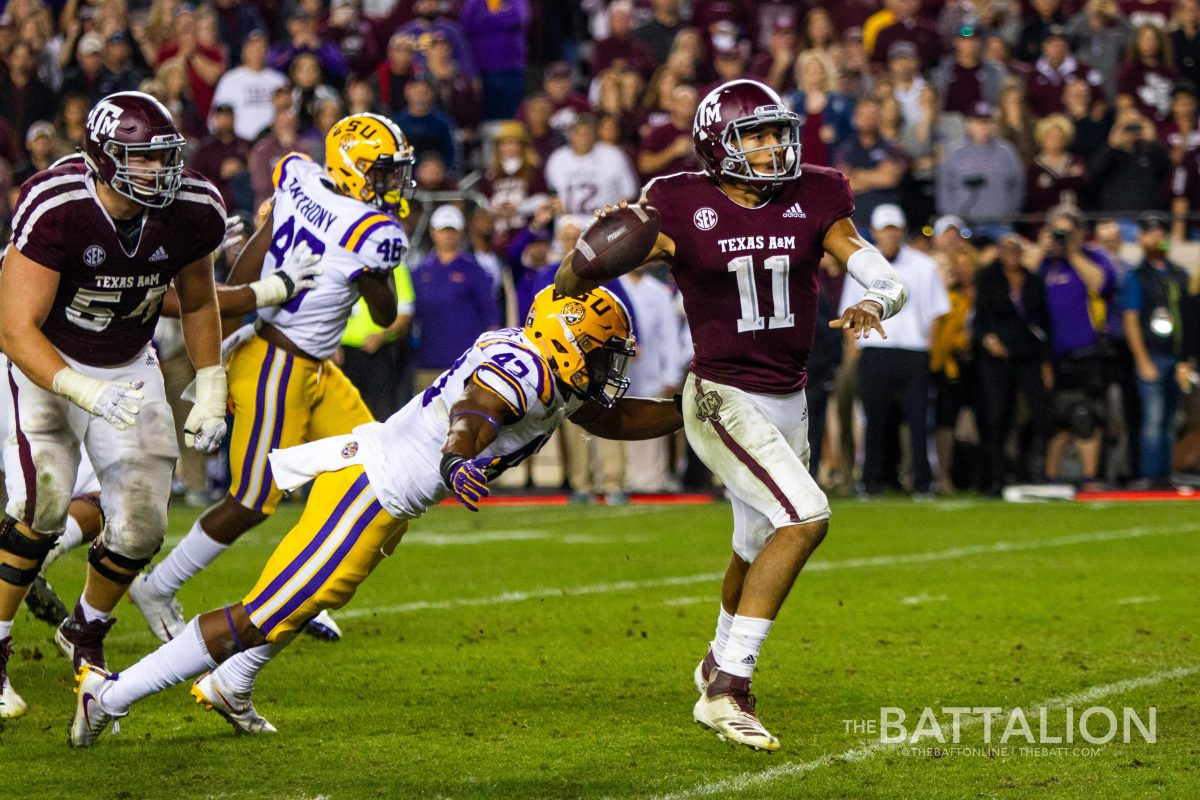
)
(80, 389)
(269, 291)
(211, 387)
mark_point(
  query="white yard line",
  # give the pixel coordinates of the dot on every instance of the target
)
(1133, 601)
(919, 599)
(690, 601)
(750, 780)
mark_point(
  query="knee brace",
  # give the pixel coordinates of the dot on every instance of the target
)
(98, 552)
(21, 546)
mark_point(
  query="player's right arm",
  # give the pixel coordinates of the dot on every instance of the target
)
(566, 282)
(475, 421)
(27, 292)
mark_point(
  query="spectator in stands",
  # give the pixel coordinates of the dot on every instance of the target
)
(909, 26)
(360, 97)
(1153, 300)
(1099, 34)
(965, 80)
(120, 73)
(428, 18)
(481, 244)
(432, 174)
(236, 22)
(529, 252)
(1044, 86)
(820, 32)
(731, 60)
(372, 357)
(1179, 134)
(777, 62)
(1147, 74)
(279, 141)
(874, 166)
(1125, 418)
(950, 362)
(390, 77)
(586, 174)
(1129, 172)
(302, 38)
(223, 158)
(42, 147)
(924, 141)
(1185, 40)
(1014, 122)
(249, 87)
(426, 126)
(309, 90)
(24, 96)
(84, 77)
(454, 302)
(893, 373)
(71, 120)
(1080, 282)
(949, 233)
(983, 179)
(621, 48)
(1047, 14)
(1055, 176)
(1147, 12)
(513, 184)
(1012, 339)
(353, 35)
(610, 100)
(905, 76)
(667, 148)
(658, 32)
(202, 62)
(325, 115)
(1090, 115)
(496, 33)
(826, 115)
(565, 102)
(174, 91)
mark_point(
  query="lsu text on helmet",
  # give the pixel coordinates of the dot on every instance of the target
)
(587, 341)
(723, 119)
(369, 158)
(131, 143)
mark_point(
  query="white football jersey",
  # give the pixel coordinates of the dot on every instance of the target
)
(351, 237)
(403, 455)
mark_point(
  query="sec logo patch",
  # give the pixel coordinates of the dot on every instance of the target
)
(705, 219)
(94, 256)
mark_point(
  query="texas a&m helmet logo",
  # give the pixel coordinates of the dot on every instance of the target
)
(103, 120)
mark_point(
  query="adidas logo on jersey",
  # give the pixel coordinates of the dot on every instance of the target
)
(795, 212)
(160, 254)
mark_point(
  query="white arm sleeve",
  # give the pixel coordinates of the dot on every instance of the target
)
(882, 282)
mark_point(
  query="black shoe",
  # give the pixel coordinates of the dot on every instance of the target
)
(44, 603)
(81, 641)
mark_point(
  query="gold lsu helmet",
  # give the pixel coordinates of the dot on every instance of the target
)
(587, 341)
(369, 158)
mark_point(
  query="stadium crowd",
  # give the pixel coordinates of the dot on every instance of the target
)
(1025, 166)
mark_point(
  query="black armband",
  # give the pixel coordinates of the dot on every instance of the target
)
(450, 462)
(677, 399)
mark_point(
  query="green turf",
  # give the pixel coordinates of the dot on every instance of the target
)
(548, 653)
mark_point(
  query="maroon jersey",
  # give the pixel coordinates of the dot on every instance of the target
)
(748, 276)
(108, 300)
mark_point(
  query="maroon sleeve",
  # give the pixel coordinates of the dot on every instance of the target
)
(205, 217)
(841, 200)
(38, 232)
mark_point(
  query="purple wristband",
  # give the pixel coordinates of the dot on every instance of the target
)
(487, 417)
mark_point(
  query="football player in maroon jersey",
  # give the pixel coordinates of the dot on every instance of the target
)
(96, 243)
(745, 238)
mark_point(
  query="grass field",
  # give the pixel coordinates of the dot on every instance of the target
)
(526, 653)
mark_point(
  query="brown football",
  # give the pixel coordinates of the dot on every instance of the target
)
(616, 243)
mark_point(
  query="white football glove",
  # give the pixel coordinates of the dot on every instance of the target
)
(205, 426)
(298, 273)
(235, 234)
(115, 403)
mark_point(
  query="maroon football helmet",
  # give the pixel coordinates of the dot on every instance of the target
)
(134, 125)
(728, 112)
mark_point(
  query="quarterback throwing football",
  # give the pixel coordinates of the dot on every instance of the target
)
(745, 237)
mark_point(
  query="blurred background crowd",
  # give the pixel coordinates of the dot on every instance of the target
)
(1031, 166)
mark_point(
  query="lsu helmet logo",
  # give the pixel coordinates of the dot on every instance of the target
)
(103, 120)
(572, 313)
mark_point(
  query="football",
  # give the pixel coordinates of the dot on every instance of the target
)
(616, 243)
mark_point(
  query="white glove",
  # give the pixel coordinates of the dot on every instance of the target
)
(235, 234)
(205, 425)
(115, 403)
(298, 273)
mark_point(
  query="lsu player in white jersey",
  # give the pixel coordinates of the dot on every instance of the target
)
(499, 402)
(283, 388)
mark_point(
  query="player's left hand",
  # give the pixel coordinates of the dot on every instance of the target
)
(205, 425)
(467, 479)
(235, 235)
(862, 318)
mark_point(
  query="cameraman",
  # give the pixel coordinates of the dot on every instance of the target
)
(1129, 172)
(1080, 282)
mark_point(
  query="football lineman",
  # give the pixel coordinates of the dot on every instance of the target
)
(497, 405)
(96, 242)
(282, 385)
(745, 237)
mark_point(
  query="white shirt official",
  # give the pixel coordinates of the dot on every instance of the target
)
(927, 300)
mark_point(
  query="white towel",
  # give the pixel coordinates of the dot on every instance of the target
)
(293, 467)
